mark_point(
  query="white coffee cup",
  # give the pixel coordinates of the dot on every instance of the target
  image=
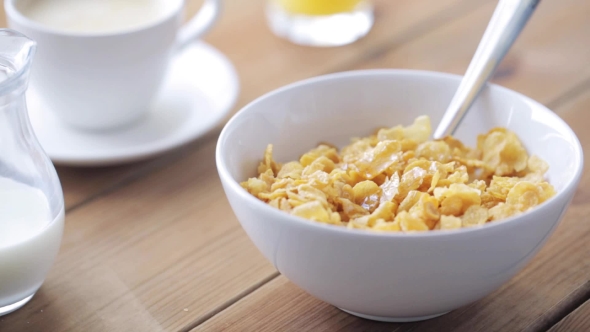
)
(105, 80)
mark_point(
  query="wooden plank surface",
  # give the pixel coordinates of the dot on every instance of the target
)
(579, 320)
(140, 249)
(532, 301)
(547, 60)
(154, 246)
(265, 62)
(292, 308)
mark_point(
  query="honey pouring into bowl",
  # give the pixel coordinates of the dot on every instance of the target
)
(397, 274)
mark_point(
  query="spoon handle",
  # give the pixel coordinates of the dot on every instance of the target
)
(507, 22)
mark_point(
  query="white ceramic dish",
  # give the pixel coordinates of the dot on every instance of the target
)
(106, 78)
(391, 277)
(200, 90)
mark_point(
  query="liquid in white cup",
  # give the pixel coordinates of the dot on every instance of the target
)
(29, 241)
(94, 16)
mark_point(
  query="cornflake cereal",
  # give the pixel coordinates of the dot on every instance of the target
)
(398, 181)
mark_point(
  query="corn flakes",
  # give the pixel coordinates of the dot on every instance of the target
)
(399, 181)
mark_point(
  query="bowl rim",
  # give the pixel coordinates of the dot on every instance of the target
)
(235, 186)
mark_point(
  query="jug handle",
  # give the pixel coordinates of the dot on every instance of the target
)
(199, 24)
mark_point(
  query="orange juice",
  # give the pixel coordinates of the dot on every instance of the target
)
(318, 7)
(322, 23)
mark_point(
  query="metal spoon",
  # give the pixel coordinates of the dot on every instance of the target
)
(507, 22)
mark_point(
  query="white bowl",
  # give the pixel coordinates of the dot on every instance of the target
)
(381, 276)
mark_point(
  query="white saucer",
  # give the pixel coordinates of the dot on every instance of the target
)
(200, 89)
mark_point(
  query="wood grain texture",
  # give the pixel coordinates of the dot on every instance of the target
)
(154, 246)
(265, 62)
(532, 301)
(579, 320)
(529, 301)
(160, 249)
(81, 184)
(149, 250)
(546, 61)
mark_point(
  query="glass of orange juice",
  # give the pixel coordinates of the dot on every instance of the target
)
(320, 22)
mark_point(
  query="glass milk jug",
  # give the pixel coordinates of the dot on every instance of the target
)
(31, 198)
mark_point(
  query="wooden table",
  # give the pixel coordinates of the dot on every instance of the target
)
(155, 246)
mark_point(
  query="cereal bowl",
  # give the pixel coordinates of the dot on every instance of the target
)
(391, 276)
